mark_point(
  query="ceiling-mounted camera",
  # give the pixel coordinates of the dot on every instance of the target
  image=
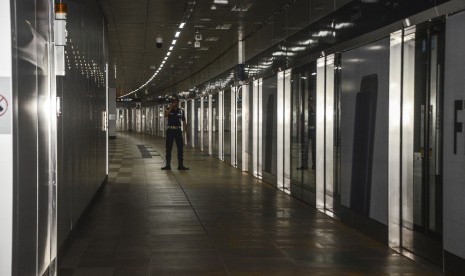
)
(159, 41)
(197, 35)
(197, 44)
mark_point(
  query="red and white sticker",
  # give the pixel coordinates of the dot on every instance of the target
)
(3, 105)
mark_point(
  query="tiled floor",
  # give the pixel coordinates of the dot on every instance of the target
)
(213, 220)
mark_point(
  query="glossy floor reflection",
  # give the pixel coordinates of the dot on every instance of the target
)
(212, 220)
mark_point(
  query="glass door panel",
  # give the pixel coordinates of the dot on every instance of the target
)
(216, 124)
(422, 220)
(303, 85)
(239, 126)
(227, 125)
(269, 129)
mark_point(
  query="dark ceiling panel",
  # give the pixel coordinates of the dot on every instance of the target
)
(134, 26)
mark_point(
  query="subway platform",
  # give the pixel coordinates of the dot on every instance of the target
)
(212, 220)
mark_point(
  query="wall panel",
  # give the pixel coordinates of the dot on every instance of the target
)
(82, 139)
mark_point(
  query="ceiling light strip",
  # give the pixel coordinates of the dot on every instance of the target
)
(186, 16)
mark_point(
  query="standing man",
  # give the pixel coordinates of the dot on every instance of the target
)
(174, 133)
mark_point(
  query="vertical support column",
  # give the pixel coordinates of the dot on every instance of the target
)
(329, 133)
(55, 111)
(107, 91)
(232, 127)
(394, 172)
(257, 128)
(201, 123)
(221, 125)
(287, 130)
(245, 127)
(407, 125)
(281, 126)
(260, 129)
(192, 123)
(210, 124)
(320, 133)
(284, 134)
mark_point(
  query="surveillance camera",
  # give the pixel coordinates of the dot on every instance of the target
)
(159, 41)
(197, 35)
(197, 44)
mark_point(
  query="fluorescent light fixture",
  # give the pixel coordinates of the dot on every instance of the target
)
(174, 41)
(182, 25)
(177, 34)
(220, 2)
(166, 58)
(168, 54)
(171, 48)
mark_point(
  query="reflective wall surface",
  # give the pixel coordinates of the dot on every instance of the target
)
(32, 240)
(60, 154)
(364, 88)
(81, 139)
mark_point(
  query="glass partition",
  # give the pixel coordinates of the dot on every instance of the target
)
(251, 129)
(362, 184)
(205, 118)
(227, 126)
(239, 127)
(161, 121)
(216, 124)
(197, 126)
(269, 129)
(303, 178)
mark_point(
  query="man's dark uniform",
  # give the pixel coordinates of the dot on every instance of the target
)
(174, 133)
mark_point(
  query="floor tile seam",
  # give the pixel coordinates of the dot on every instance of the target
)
(206, 233)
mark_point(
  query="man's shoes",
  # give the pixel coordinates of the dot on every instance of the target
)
(182, 168)
(166, 168)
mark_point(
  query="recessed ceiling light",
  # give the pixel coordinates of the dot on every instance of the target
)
(212, 38)
(177, 34)
(182, 25)
(243, 6)
(223, 26)
(171, 48)
(174, 41)
(222, 2)
(168, 54)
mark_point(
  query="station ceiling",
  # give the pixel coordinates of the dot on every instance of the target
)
(134, 26)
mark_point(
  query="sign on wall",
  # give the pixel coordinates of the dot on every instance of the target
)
(5, 106)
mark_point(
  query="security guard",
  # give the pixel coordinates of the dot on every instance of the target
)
(174, 133)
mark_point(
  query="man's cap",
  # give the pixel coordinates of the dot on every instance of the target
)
(173, 98)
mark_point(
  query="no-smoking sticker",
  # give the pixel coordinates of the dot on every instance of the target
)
(3, 105)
